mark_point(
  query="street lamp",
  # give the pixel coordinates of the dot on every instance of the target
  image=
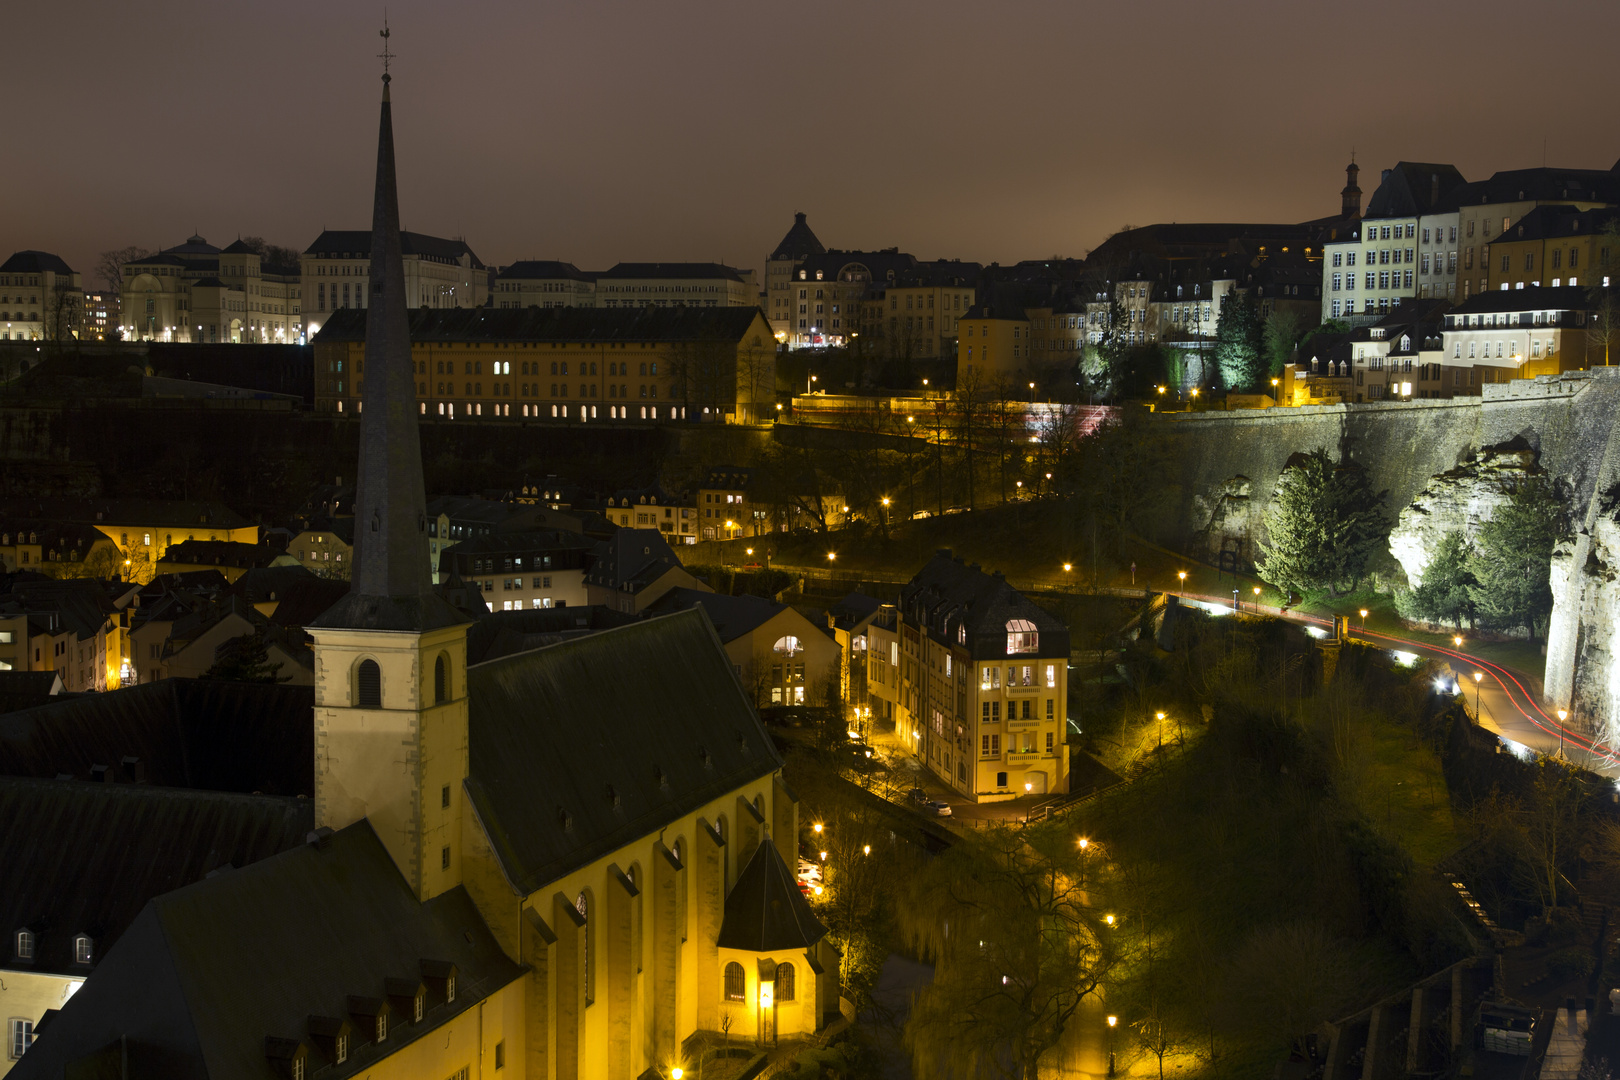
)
(1562, 715)
(885, 501)
(1234, 600)
(1257, 599)
(1363, 622)
(1113, 1021)
(1456, 639)
(1084, 843)
(1067, 567)
(1478, 675)
(1182, 574)
(832, 556)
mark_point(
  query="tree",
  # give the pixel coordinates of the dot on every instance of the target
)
(245, 659)
(271, 254)
(1016, 949)
(1512, 561)
(1324, 524)
(1443, 595)
(1124, 466)
(110, 265)
(1280, 334)
(1239, 343)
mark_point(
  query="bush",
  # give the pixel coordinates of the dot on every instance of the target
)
(1573, 962)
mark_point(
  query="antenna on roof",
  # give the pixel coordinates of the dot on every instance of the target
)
(385, 56)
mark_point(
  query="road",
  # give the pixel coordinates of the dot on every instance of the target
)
(1505, 701)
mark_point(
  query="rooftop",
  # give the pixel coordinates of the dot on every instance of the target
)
(532, 324)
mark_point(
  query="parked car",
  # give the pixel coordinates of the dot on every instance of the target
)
(917, 795)
(943, 809)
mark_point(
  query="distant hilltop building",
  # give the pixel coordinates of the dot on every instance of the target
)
(546, 284)
(41, 298)
(196, 292)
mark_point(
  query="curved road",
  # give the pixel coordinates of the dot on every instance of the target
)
(1507, 699)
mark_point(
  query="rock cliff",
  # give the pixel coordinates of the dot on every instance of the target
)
(1458, 500)
(1582, 641)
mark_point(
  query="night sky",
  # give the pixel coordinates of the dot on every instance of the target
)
(653, 130)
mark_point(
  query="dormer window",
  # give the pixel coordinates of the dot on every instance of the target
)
(450, 989)
(83, 952)
(23, 945)
(340, 1048)
(1022, 636)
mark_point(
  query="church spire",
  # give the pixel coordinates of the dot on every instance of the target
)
(391, 587)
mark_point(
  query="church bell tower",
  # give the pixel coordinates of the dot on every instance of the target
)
(391, 656)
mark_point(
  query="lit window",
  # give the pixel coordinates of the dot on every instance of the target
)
(1021, 636)
(82, 951)
(25, 945)
(736, 982)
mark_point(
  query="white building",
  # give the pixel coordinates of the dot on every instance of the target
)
(1376, 264)
(545, 284)
(439, 273)
(40, 297)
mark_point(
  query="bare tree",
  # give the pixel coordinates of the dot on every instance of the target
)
(271, 254)
(110, 265)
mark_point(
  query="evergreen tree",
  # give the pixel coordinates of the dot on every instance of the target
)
(1512, 561)
(245, 659)
(1324, 525)
(1240, 343)
(1444, 594)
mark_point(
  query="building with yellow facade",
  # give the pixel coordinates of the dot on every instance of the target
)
(1556, 246)
(41, 298)
(196, 292)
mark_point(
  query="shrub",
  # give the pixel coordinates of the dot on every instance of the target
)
(1573, 962)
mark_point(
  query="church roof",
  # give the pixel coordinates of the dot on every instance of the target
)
(209, 974)
(799, 241)
(765, 911)
(656, 324)
(733, 616)
(92, 855)
(194, 733)
(582, 747)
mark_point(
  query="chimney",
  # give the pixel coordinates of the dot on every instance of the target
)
(134, 770)
(1434, 189)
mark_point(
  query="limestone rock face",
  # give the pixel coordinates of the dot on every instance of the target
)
(1583, 646)
(1226, 540)
(1458, 500)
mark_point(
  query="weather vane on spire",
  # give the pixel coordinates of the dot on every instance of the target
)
(385, 56)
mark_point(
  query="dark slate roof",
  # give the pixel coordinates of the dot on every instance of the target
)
(581, 747)
(765, 911)
(412, 614)
(1412, 188)
(220, 553)
(195, 245)
(674, 270)
(877, 265)
(209, 283)
(947, 593)
(503, 633)
(160, 259)
(1544, 184)
(35, 262)
(732, 616)
(629, 557)
(357, 243)
(26, 689)
(92, 854)
(1553, 221)
(727, 324)
(1531, 298)
(238, 248)
(207, 973)
(195, 733)
(132, 512)
(799, 241)
(728, 477)
(543, 270)
(855, 608)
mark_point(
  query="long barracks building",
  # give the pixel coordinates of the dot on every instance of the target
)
(576, 365)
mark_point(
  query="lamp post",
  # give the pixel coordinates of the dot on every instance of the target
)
(885, 511)
(1182, 574)
(1234, 601)
(1363, 622)
(1112, 1022)
(1084, 844)
(1257, 599)
(1478, 675)
(1562, 714)
(1456, 639)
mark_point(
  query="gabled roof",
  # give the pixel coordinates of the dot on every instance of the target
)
(221, 553)
(238, 248)
(648, 324)
(26, 689)
(207, 973)
(543, 270)
(799, 241)
(131, 512)
(948, 593)
(35, 262)
(732, 616)
(1554, 221)
(194, 733)
(580, 747)
(503, 633)
(630, 556)
(1540, 185)
(92, 854)
(1413, 188)
(765, 911)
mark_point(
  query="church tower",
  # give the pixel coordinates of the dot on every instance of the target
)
(1350, 197)
(391, 657)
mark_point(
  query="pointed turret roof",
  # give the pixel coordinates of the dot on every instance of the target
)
(765, 911)
(391, 589)
(798, 242)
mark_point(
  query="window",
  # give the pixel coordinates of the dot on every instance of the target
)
(368, 685)
(83, 952)
(24, 945)
(1021, 636)
(787, 646)
(444, 864)
(340, 1048)
(785, 976)
(500, 1054)
(444, 797)
(382, 1027)
(736, 982)
(22, 1037)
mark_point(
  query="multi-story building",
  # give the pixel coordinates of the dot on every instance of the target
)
(781, 272)
(778, 654)
(518, 571)
(915, 314)
(544, 284)
(701, 285)
(41, 298)
(101, 320)
(727, 511)
(439, 273)
(195, 292)
(568, 364)
(632, 568)
(975, 677)
(1555, 245)
(1488, 209)
(1400, 249)
(653, 508)
(1521, 333)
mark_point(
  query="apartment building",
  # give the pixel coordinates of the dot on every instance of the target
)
(196, 292)
(1556, 245)
(701, 285)
(1487, 211)
(1403, 247)
(1521, 333)
(41, 297)
(439, 274)
(975, 677)
(518, 571)
(544, 284)
(781, 270)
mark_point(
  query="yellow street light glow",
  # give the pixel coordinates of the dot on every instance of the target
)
(832, 556)
(676, 1073)
(749, 550)
(885, 500)
(866, 849)
(1363, 613)
(818, 828)
(1084, 843)
(1109, 919)
(816, 889)
(1182, 574)
(1562, 715)
(1257, 590)
(1067, 567)
(1478, 675)
(1457, 640)
(823, 856)
(1160, 715)
(1113, 1021)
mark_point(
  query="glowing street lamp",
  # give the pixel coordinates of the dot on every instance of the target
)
(1478, 675)
(1084, 844)
(1456, 639)
(832, 556)
(1068, 567)
(1563, 714)
(1257, 599)
(1182, 574)
(1113, 1021)
(817, 828)
(1363, 622)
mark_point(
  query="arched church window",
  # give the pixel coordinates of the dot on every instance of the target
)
(368, 685)
(736, 982)
(441, 680)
